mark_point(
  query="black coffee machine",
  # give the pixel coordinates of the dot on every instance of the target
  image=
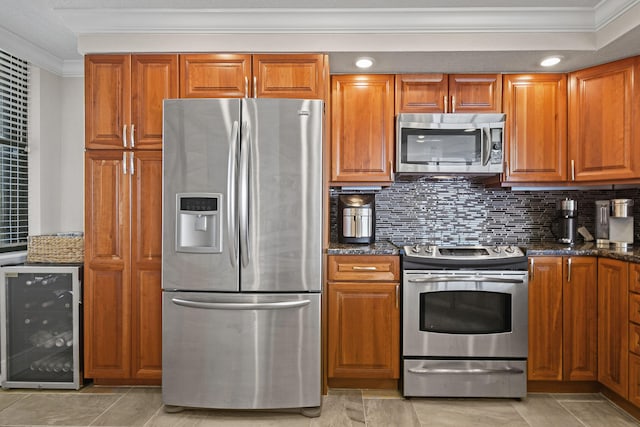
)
(565, 226)
(356, 218)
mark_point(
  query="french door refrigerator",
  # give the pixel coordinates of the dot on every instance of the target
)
(242, 253)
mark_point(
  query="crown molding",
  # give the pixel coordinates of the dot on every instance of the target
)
(608, 11)
(73, 68)
(326, 21)
(28, 51)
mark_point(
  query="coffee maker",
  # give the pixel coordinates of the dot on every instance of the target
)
(602, 223)
(621, 223)
(565, 226)
(356, 218)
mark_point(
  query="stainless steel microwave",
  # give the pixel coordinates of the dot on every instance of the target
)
(450, 144)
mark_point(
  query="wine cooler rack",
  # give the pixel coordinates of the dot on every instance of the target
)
(40, 319)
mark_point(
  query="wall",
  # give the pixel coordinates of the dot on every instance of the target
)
(56, 128)
(464, 211)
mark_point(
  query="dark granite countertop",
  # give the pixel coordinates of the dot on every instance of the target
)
(539, 249)
(585, 249)
(377, 248)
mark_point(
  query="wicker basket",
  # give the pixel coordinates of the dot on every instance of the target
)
(63, 248)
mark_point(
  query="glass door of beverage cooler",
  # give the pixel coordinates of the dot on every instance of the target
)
(39, 315)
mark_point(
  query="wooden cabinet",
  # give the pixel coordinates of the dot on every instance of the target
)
(604, 135)
(613, 328)
(122, 290)
(579, 318)
(123, 99)
(536, 127)
(545, 319)
(260, 76)
(562, 319)
(363, 320)
(448, 93)
(634, 334)
(362, 126)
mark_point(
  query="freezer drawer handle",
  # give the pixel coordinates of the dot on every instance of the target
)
(475, 371)
(241, 305)
(464, 279)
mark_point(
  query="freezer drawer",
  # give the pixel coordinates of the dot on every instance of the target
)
(464, 378)
(241, 351)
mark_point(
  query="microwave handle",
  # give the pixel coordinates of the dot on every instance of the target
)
(486, 145)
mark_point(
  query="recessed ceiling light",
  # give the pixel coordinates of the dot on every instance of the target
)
(364, 62)
(551, 61)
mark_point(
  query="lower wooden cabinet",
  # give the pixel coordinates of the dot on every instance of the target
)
(122, 287)
(363, 320)
(613, 330)
(562, 319)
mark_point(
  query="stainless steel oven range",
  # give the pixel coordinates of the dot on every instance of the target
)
(465, 321)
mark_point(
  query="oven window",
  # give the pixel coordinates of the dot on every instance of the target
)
(465, 312)
(444, 146)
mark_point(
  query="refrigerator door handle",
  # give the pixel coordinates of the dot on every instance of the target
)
(232, 186)
(244, 194)
(240, 305)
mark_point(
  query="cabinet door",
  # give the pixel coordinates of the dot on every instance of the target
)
(475, 93)
(634, 379)
(421, 93)
(362, 128)
(107, 94)
(545, 319)
(536, 127)
(603, 130)
(613, 328)
(107, 328)
(215, 75)
(364, 330)
(153, 79)
(580, 316)
(289, 76)
(146, 251)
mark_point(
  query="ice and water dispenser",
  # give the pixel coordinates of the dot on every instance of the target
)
(199, 222)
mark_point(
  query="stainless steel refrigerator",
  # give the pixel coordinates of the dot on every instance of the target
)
(242, 253)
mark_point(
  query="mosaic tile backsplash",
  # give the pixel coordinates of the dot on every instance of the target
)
(464, 211)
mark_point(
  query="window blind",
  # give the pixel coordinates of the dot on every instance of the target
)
(14, 92)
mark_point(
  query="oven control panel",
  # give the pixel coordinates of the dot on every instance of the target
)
(463, 252)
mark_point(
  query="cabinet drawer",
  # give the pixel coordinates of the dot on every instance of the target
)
(634, 308)
(634, 338)
(634, 278)
(364, 268)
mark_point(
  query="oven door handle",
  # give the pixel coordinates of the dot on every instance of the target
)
(474, 371)
(464, 279)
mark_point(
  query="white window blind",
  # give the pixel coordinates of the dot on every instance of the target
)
(14, 91)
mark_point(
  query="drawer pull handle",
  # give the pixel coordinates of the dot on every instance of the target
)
(366, 268)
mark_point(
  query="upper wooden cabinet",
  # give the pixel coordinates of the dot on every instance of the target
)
(604, 117)
(536, 127)
(448, 93)
(123, 99)
(362, 129)
(262, 76)
(215, 75)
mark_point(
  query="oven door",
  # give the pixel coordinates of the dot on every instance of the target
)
(465, 314)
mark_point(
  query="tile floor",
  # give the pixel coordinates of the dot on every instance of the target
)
(142, 406)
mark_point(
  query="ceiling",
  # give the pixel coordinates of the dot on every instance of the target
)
(409, 36)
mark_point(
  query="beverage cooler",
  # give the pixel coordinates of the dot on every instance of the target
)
(41, 326)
